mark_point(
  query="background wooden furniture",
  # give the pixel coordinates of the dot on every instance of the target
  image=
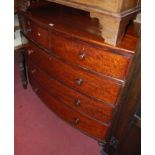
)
(114, 6)
(113, 15)
(85, 81)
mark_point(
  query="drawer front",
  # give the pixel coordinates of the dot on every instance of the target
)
(85, 82)
(73, 99)
(37, 33)
(85, 124)
(88, 56)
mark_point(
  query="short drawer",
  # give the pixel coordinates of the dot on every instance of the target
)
(37, 33)
(79, 79)
(77, 101)
(79, 121)
(88, 56)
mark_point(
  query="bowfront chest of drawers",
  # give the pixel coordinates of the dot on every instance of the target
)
(73, 71)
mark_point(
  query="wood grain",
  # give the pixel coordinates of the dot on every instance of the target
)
(81, 103)
(115, 6)
(91, 57)
(76, 119)
(113, 29)
(113, 15)
(92, 85)
(102, 79)
(70, 21)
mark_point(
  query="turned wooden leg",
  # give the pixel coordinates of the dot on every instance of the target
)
(113, 28)
(22, 68)
(109, 146)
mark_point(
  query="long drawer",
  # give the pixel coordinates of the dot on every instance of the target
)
(83, 104)
(81, 80)
(88, 56)
(79, 121)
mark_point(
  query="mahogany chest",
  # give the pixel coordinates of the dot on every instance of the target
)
(73, 71)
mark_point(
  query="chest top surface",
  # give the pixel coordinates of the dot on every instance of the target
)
(78, 24)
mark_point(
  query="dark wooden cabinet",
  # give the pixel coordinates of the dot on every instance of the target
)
(90, 84)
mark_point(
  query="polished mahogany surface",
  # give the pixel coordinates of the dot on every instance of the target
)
(91, 107)
(72, 70)
(78, 23)
(89, 56)
(86, 82)
(73, 117)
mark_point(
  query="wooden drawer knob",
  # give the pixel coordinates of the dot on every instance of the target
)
(76, 121)
(38, 34)
(79, 82)
(30, 52)
(77, 102)
(82, 56)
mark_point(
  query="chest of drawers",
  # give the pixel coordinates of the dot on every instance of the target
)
(77, 75)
